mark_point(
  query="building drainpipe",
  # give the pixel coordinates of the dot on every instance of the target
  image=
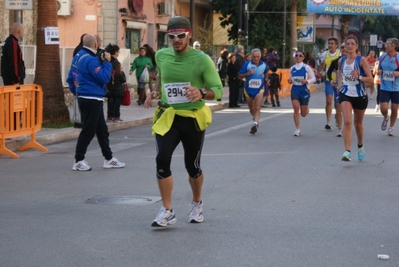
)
(117, 23)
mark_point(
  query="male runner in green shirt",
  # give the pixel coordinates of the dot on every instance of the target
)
(182, 115)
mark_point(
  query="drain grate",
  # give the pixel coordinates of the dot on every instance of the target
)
(123, 200)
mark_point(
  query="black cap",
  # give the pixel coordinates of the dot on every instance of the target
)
(179, 23)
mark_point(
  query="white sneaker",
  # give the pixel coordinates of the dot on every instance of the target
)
(390, 131)
(164, 218)
(297, 132)
(196, 213)
(339, 134)
(377, 108)
(113, 163)
(81, 166)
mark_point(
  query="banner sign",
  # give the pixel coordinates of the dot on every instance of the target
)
(305, 29)
(354, 7)
(19, 4)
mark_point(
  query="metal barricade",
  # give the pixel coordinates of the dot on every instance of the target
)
(21, 113)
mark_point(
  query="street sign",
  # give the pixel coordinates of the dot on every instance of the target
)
(373, 39)
(51, 35)
(305, 30)
(379, 44)
(19, 4)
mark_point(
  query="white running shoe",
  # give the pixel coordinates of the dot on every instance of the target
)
(390, 131)
(377, 108)
(339, 134)
(196, 213)
(113, 163)
(164, 218)
(297, 132)
(81, 166)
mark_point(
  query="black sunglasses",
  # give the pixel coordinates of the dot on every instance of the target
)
(298, 55)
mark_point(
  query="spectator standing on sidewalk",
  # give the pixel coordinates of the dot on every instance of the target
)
(240, 61)
(234, 82)
(222, 69)
(182, 115)
(377, 84)
(272, 58)
(150, 53)
(139, 64)
(12, 63)
(275, 86)
(113, 101)
(79, 46)
(371, 59)
(88, 76)
(389, 90)
(116, 92)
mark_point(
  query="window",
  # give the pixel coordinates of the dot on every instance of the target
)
(162, 40)
(133, 40)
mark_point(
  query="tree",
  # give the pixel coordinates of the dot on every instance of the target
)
(263, 29)
(204, 35)
(265, 21)
(384, 26)
(48, 71)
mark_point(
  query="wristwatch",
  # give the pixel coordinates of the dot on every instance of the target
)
(203, 92)
(360, 78)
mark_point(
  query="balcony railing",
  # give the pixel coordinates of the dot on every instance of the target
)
(206, 3)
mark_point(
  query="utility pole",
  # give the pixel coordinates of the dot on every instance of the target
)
(192, 13)
(239, 26)
(246, 14)
(284, 31)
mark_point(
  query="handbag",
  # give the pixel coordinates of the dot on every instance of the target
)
(126, 97)
(144, 77)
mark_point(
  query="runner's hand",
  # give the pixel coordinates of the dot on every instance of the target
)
(148, 100)
(193, 94)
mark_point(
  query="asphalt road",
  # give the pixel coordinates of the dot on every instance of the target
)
(271, 199)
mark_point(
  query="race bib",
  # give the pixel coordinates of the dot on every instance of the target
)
(388, 76)
(372, 68)
(175, 93)
(296, 80)
(254, 83)
(348, 79)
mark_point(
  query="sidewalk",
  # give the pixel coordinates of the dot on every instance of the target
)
(132, 116)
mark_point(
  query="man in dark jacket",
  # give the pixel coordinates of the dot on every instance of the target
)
(240, 61)
(87, 77)
(12, 64)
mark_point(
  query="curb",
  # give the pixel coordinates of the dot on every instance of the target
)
(50, 136)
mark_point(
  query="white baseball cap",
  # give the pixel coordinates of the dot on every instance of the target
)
(196, 43)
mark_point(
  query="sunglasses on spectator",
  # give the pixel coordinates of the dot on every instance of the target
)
(298, 55)
(178, 35)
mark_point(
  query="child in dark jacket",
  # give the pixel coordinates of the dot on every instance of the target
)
(274, 86)
(116, 90)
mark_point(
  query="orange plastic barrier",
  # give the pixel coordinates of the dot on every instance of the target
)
(285, 86)
(21, 113)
